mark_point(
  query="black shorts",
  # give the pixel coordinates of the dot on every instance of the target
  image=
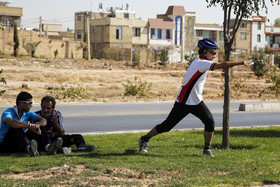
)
(179, 111)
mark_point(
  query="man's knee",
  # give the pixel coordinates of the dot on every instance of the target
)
(162, 128)
(210, 127)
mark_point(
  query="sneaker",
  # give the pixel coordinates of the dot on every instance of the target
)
(143, 146)
(86, 148)
(66, 150)
(55, 146)
(208, 152)
(33, 149)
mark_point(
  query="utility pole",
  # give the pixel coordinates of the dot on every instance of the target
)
(40, 26)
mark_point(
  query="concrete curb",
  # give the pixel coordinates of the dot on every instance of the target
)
(262, 107)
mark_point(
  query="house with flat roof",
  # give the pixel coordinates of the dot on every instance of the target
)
(9, 15)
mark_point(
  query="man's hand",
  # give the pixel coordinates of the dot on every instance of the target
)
(54, 119)
(248, 62)
(35, 128)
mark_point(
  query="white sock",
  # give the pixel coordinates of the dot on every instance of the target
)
(47, 146)
(28, 148)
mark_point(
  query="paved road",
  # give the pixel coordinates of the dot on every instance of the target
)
(105, 118)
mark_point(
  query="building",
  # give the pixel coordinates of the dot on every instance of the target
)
(173, 30)
(273, 37)
(254, 33)
(9, 15)
(113, 28)
(258, 35)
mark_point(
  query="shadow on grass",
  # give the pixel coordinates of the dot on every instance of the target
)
(265, 182)
(232, 147)
(253, 133)
(128, 152)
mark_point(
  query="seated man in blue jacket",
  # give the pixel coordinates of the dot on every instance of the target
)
(24, 131)
(55, 127)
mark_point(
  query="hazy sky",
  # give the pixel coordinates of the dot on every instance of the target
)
(62, 11)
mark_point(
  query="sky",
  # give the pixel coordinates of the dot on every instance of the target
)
(62, 11)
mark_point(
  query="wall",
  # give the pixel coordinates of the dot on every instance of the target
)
(46, 47)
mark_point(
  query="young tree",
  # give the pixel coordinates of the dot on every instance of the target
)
(31, 48)
(164, 56)
(16, 40)
(239, 9)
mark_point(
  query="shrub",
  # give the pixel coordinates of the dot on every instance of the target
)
(274, 79)
(164, 56)
(70, 92)
(55, 53)
(135, 59)
(259, 67)
(31, 48)
(138, 88)
(3, 81)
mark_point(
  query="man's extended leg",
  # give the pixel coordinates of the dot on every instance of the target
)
(178, 112)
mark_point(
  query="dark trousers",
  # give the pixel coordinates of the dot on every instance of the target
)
(16, 140)
(72, 139)
(179, 111)
(43, 139)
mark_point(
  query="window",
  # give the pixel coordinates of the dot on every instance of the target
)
(152, 33)
(119, 33)
(79, 35)
(243, 24)
(159, 34)
(79, 17)
(259, 25)
(126, 15)
(136, 31)
(168, 34)
(258, 38)
(94, 30)
(243, 36)
(6, 22)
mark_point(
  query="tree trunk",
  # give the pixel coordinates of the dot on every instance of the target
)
(226, 103)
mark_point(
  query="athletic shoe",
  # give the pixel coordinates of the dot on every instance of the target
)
(66, 150)
(55, 146)
(208, 152)
(86, 148)
(143, 146)
(33, 149)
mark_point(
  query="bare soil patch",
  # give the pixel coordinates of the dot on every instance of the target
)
(104, 80)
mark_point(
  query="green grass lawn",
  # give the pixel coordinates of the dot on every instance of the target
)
(173, 159)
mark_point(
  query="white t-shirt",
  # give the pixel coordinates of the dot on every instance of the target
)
(190, 92)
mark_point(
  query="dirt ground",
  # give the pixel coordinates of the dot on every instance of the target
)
(104, 81)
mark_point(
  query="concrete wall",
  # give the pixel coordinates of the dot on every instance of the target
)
(46, 47)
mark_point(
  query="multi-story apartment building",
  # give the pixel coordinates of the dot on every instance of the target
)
(9, 15)
(254, 33)
(175, 30)
(242, 41)
(116, 27)
(273, 37)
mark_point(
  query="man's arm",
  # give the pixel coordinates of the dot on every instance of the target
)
(41, 121)
(225, 65)
(16, 124)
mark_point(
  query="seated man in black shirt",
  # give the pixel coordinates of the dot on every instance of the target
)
(55, 127)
